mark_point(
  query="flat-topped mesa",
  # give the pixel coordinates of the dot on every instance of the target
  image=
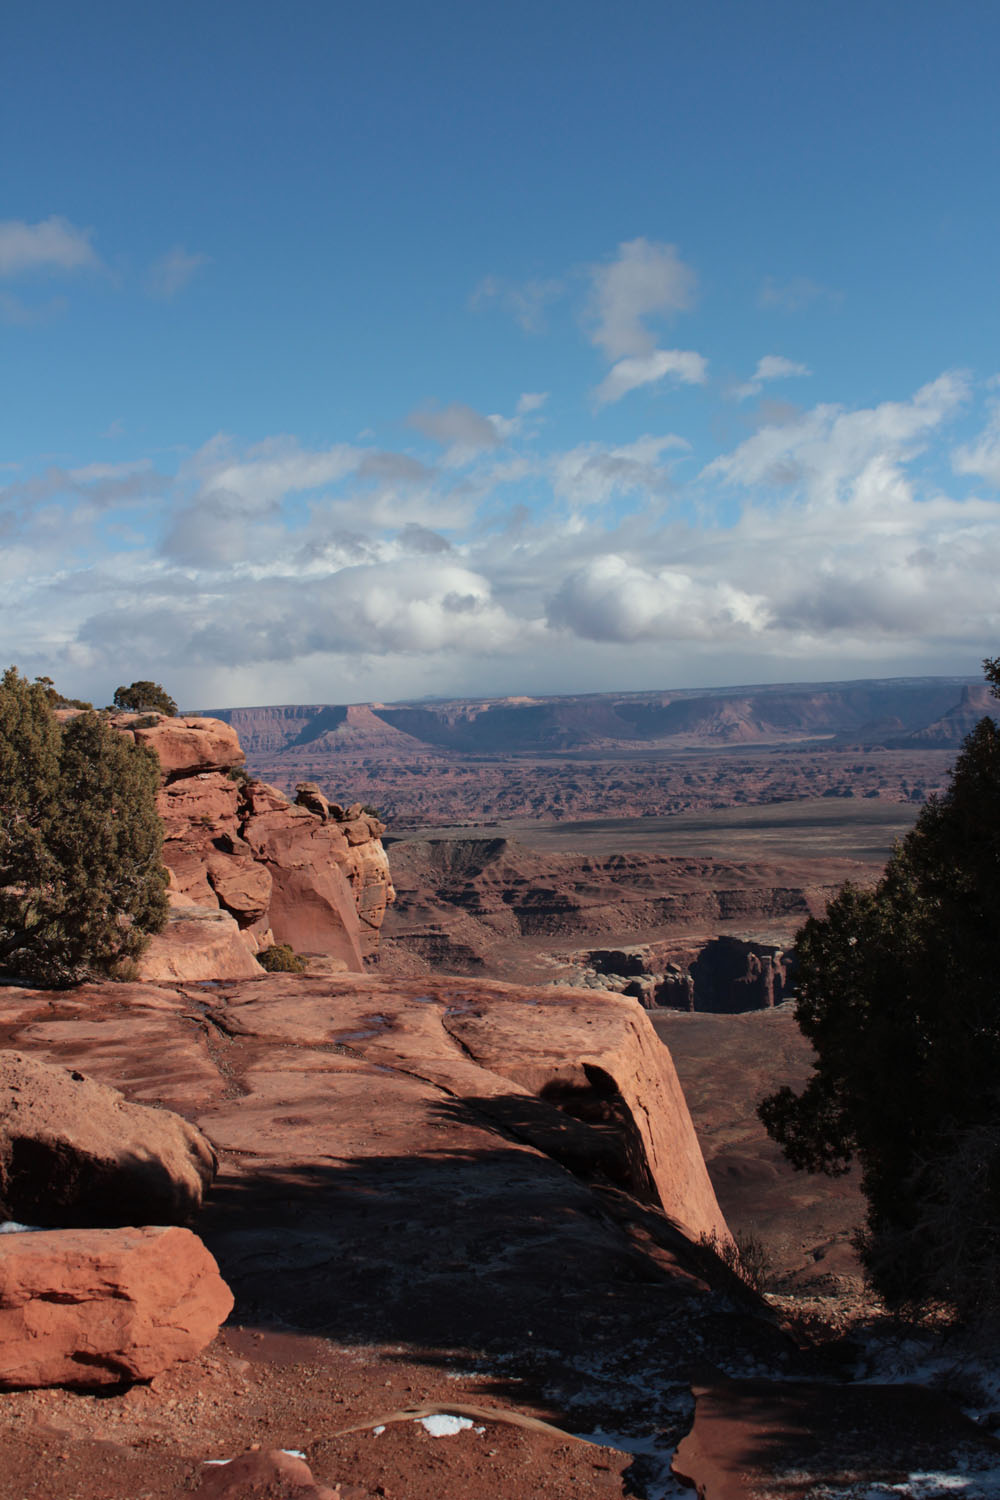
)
(249, 868)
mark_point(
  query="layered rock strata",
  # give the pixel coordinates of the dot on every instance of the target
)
(249, 867)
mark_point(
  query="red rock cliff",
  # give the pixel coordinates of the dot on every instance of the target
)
(248, 867)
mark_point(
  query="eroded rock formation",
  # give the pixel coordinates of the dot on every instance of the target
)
(269, 870)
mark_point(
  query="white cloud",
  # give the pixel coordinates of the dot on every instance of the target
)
(613, 599)
(291, 568)
(531, 401)
(173, 271)
(591, 474)
(271, 470)
(53, 244)
(682, 365)
(456, 427)
(647, 279)
(770, 367)
(982, 457)
(828, 448)
(16, 311)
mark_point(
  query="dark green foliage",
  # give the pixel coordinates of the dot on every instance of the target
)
(281, 959)
(899, 992)
(81, 875)
(145, 697)
(56, 699)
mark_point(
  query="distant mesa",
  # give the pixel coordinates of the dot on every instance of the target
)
(924, 710)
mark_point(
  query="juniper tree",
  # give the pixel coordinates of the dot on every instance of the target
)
(145, 697)
(81, 876)
(899, 992)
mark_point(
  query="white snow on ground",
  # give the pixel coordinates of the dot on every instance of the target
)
(444, 1426)
(659, 1482)
(219, 1462)
(983, 1484)
(10, 1226)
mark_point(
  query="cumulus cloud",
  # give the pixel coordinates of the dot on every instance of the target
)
(770, 367)
(830, 447)
(411, 606)
(612, 599)
(645, 280)
(683, 366)
(173, 271)
(53, 244)
(270, 470)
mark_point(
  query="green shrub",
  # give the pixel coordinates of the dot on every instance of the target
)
(281, 959)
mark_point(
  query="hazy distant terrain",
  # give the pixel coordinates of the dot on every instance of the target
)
(618, 755)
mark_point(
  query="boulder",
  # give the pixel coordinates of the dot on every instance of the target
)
(74, 1152)
(92, 1307)
(185, 746)
(262, 1476)
(310, 796)
(198, 943)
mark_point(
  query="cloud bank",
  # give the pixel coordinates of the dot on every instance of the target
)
(275, 571)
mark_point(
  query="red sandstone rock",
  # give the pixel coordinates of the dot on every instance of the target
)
(206, 798)
(367, 869)
(91, 1307)
(198, 942)
(242, 884)
(263, 1476)
(402, 1224)
(75, 1152)
(286, 873)
(185, 746)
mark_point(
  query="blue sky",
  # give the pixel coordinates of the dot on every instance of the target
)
(363, 353)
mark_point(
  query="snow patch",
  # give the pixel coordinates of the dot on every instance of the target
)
(444, 1426)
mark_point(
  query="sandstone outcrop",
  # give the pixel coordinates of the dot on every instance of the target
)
(74, 1152)
(269, 870)
(92, 1307)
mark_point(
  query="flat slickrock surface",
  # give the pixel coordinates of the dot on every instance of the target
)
(434, 1196)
